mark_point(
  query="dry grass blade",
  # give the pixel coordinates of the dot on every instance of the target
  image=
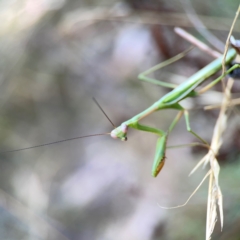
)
(232, 102)
(215, 196)
(215, 200)
(190, 38)
(192, 194)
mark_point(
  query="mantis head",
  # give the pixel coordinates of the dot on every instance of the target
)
(120, 132)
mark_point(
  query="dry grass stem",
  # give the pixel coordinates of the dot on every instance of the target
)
(190, 38)
(192, 194)
(215, 200)
(231, 103)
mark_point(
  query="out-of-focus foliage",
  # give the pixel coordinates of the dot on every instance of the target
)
(56, 56)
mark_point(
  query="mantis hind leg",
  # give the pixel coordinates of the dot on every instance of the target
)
(186, 115)
(143, 76)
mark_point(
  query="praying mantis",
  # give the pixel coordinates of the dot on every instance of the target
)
(170, 100)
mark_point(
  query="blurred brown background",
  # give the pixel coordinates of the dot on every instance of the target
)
(56, 56)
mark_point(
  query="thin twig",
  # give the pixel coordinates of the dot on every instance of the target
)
(190, 38)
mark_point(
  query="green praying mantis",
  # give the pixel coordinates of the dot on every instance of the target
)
(169, 101)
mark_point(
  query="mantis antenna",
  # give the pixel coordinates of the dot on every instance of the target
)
(65, 140)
